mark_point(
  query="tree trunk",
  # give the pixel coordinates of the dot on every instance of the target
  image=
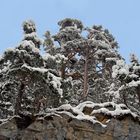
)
(85, 90)
(138, 93)
(63, 67)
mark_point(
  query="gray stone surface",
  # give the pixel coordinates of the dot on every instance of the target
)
(66, 128)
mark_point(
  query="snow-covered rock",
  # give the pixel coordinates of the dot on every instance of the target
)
(88, 121)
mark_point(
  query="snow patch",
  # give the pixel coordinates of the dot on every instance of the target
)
(78, 111)
(29, 43)
(120, 68)
(56, 82)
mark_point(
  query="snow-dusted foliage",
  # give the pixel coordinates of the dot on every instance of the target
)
(30, 33)
(74, 68)
(89, 59)
(89, 111)
(126, 85)
(120, 69)
(28, 84)
(97, 70)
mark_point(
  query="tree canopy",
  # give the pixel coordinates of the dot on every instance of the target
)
(76, 64)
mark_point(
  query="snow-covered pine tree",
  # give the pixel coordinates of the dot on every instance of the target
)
(27, 84)
(89, 58)
(67, 37)
(90, 66)
(126, 88)
(134, 82)
(56, 60)
(104, 57)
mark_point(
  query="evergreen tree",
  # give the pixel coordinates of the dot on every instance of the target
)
(128, 79)
(81, 67)
(89, 59)
(27, 84)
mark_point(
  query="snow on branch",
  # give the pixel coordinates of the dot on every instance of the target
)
(89, 111)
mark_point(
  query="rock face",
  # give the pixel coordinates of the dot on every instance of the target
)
(62, 125)
(66, 128)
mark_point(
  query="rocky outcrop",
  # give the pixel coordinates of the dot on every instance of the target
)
(66, 123)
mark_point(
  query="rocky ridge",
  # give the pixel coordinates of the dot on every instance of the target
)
(87, 121)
